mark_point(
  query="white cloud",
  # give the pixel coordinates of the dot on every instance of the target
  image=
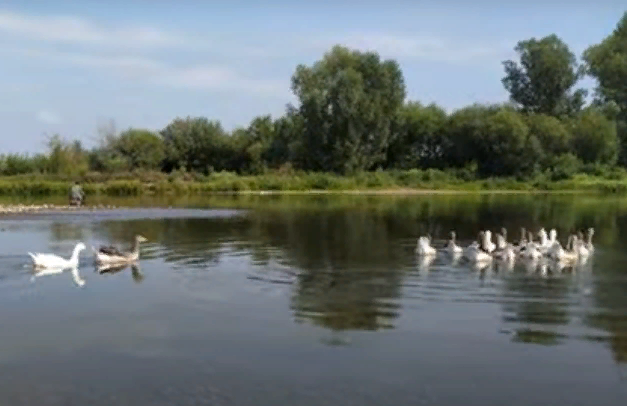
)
(48, 117)
(210, 77)
(77, 30)
(419, 47)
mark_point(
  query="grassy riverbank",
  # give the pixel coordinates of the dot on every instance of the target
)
(389, 182)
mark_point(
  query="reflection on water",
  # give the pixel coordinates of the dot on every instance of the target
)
(261, 286)
(76, 277)
(136, 273)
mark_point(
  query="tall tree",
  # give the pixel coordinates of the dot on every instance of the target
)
(142, 149)
(544, 80)
(607, 63)
(420, 140)
(195, 144)
(348, 100)
(594, 137)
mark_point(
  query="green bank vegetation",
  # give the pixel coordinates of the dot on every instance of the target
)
(354, 129)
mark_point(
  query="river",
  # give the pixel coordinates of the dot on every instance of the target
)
(313, 300)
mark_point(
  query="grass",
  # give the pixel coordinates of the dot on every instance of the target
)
(381, 182)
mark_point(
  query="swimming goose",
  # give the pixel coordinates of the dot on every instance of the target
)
(423, 246)
(588, 243)
(552, 237)
(558, 253)
(579, 245)
(476, 251)
(56, 262)
(530, 250)
(504, 251)
(522, 242)
(112, 255)
(452, 248)
(489, 245)
(543, 244)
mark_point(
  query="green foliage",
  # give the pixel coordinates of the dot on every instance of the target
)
(594, 138)
(550, 132)
(195, 144)
(563, 166)
(543, 82)
(419, 139)
(66, 158)
(607, 63)
(141, 149)
(348, 100)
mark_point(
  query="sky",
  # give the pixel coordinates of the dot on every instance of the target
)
(70, 67)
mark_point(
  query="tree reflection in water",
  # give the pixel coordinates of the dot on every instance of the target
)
(346, 258)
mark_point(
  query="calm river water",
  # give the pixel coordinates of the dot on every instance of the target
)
(314, 301)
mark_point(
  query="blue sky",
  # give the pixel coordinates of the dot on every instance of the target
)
(70, 66)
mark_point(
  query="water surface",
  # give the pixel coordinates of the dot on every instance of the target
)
(314, 300)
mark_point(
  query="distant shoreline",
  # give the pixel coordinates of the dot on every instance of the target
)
(370, 183)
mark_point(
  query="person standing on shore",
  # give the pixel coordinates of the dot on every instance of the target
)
(77, 196)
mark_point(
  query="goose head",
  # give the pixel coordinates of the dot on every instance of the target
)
(575, 240)
(453, 236)
(590, 234)
(140, 238)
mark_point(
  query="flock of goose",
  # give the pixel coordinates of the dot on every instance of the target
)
(105, 257)
(483, 250)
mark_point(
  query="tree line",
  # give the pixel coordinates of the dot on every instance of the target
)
(352, 115)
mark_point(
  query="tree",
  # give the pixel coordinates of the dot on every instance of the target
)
(65, 158)
(607, 63)
(496, 138)
(594, 137)
(543, 82)
(286, 146)
(142, 149)
(507, 146)
(194, 144)
(552, 135)
(464, 134)
(348, 100)
(419, 139)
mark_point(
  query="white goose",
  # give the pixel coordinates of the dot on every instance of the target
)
(504, 251)
(56, 262)
(543, 244)
(588, 243)
(423, 247)
(580, 247)
(530, 250)
(552, 237)
(558, 253)
(489, 245)
(476, 251)
(523, 241)
(452, 248)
